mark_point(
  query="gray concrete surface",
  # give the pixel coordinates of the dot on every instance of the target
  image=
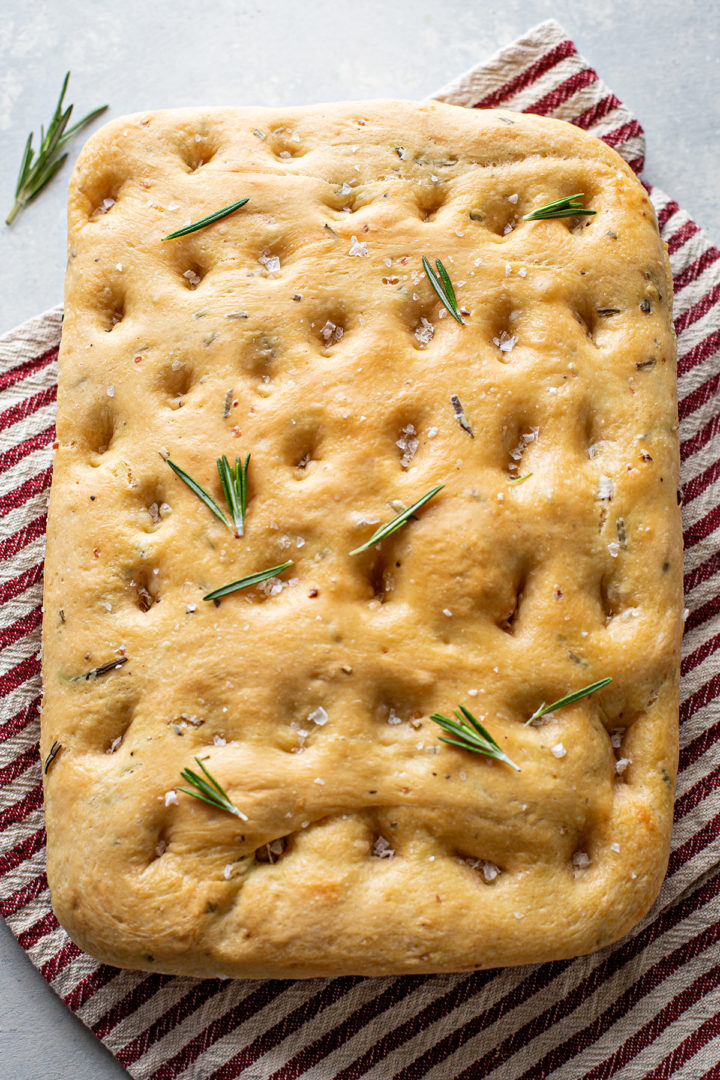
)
(662, 59)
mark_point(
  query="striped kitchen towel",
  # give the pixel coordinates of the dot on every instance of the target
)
(646, 1007)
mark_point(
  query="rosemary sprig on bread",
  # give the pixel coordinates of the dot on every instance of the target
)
(443, 286)
(570, 206)
(397, 522)
(469, 734)
(210, 791)
(204, 222)
(234, 485)
(248, 581)
(569, 699)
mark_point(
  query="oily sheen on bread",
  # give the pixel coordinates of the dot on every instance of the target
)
(304, 330)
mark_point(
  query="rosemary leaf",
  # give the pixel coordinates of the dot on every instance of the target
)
(209, 791)
(103, 669)
(247, 582)
(234, 483)
(397, 522)
(460, 415)
(36, 173)
(209, 220)
(469, 734)
(569, 699)
(54, 751)
(519, 479)
(567, 207)
(199, 491)
(442, 285)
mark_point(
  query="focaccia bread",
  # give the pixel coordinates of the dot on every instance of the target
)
(303, 329)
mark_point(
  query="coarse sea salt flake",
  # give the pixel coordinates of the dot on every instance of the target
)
(227, 872)
(605, 488)
(357, 248)
(171, 798)
(319, 716)
(580, 860)
(613, 547)
(331, 333)
(381, 848)
(408, 443)
(505, 342)
(218, 740)
(432, 432)
(621, 765)
(318, 780)
(490, 871)
(559, 750)
(424, 331)
(110, 391)
(270, 262)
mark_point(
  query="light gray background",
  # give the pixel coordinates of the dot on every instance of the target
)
(661, 58)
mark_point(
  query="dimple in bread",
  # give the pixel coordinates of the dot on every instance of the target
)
(303, 329)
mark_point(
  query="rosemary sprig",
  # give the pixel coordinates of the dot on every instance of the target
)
(396, 523)
(469, 734)
(569, 699)
(567, 207)
(247, 582)
(442, 285)
(35, 174)
(234, 484)
(209, 791)
(201, 493)
(209, 220)
(54, 751)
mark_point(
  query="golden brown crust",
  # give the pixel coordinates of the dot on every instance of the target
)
(498, 595)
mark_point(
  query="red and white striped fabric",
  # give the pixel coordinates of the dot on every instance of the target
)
(648, 1007)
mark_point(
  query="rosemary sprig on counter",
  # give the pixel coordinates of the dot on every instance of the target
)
(569, 699)
(397, 522)
(247, 582)
(442, 285)
(209, 220)
(567, 207)
(469, 734)
(36, 173)
(209, 791)
(234, 485)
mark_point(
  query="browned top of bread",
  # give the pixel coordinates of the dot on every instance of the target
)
(303, 329)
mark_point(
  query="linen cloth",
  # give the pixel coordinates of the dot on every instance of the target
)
(647, 1007)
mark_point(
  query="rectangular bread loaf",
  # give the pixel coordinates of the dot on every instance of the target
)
(340, 833)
